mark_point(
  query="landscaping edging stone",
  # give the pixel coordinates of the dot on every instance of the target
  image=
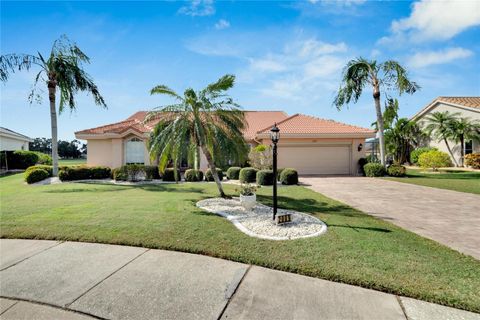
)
(258, 223)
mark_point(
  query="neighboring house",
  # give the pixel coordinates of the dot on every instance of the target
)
(11, 140)
(309, 144)
(466, 107)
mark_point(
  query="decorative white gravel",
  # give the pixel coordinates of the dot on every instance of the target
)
(259, 223)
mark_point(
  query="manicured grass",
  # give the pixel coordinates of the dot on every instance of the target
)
(463, 181)
(71, 162)
(357, 248)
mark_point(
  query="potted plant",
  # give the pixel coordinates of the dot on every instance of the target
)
(248, 198)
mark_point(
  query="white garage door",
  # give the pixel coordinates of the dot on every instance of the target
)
(315, 159)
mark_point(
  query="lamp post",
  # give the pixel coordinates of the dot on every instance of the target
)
(275, 136)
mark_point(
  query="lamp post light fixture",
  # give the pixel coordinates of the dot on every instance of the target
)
(275, 136)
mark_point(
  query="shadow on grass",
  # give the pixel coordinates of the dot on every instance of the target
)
(107, 187)
(359, 228)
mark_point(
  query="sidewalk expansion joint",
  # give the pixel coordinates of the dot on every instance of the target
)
(232, 295)
(402, 306)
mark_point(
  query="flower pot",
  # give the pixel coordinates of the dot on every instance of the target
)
(248, 202)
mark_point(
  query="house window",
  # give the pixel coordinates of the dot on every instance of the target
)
(468, 147)
(134, 151)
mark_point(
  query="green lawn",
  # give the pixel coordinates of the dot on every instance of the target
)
(357, 249)
(71, 162)
(463, 181)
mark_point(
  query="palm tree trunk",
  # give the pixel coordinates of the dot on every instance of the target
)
(462, 149)
(211, 164)
(450, 151)
(53, 121)
(378, 108)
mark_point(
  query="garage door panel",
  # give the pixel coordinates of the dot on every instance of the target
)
(315, 159)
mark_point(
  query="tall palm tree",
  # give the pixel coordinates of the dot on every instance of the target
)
(388, 75)
(440, 127)
(62, 70)
(464, 129)
(209, 120)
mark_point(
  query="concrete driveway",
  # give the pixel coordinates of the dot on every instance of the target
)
(449, 217)
(75, 281)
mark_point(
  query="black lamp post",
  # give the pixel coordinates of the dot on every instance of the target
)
(275, 136)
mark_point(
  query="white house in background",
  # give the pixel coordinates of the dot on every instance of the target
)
(466, 107)
(11, 140)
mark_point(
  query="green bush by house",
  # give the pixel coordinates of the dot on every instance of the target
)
(279, 172)
(248, 175)
(43, 158)
(135, 172)
(151, 172)
(233, 173)
(265, 177)
(192, 175)
(373, 169)
(397, 170)
(434, 159)
(473, 160)
(289, 176)
(169, 174)
(36, 175)
(83, 173)
(417, 152)
(18, 159)
(209, 175)
(39, 166)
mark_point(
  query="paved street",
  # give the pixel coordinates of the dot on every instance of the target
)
(448, 217)
(70, 280)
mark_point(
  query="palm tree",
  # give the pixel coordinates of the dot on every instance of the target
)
(380, 76)
(208, 120)
(439, 126)
(62, 70)
(464, 129)
(401, 137)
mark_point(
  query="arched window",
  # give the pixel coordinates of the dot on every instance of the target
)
(134, 151)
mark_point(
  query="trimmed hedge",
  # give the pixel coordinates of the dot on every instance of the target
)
(151, 172)
(396, 170)
(265, 177)
(83, 173)
(36, 175)
(169, 174)
(135, 172)
(289, 176)
(473, 160)
(434, 159)
(209, 175)
(248, 175)
(279, 172)
(233, 173)
(192, 175)
(18, 159)
(49, 169)
(419, 151)
(374, 169)
(43, 158)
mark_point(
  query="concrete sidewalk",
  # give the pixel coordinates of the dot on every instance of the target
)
(70, 280)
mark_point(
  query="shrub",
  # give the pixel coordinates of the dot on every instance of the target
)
(372, 159)
(434, 159)
(473, 160)
(83, 173)
(417, 152)
(361, 163)
(289, 176)
(279, 172)
(151, 172)
(209, 175)
(36, 175)
(265, 177)
(49, 169)
(43, 158)
(248, 175)
(169, 174)
(396, 170)
(120, 174)
(18, 159)
(374, 169)
(192, 175)
(135, 172)
(261, 157)
(233, 173)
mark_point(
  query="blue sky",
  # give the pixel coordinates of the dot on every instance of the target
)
(286, 55)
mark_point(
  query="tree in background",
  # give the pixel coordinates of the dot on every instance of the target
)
(66, 149)
(359, 73)
(62, 70)
(41, 145)
(464, 129)
(207, 119)
(439, 126)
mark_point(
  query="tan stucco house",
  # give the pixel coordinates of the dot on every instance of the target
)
(309, 144)
(466, 107)
(12, 141)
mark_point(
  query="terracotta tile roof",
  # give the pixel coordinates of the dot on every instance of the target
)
(472, 102)
(303, 124)
(257, 122)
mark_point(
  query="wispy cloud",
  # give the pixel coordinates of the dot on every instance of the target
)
(435, 20)
(222, 24)
(424, 59)
(198, 8)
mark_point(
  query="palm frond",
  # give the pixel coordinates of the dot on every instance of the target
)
(356, 74)
(162, 89)
(10, 63)
(396, 77)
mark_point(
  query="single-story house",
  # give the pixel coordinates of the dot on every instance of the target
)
(12, 141)
(466, 107)
(309, 144)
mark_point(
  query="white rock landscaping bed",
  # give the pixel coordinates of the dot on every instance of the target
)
(259, 223)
